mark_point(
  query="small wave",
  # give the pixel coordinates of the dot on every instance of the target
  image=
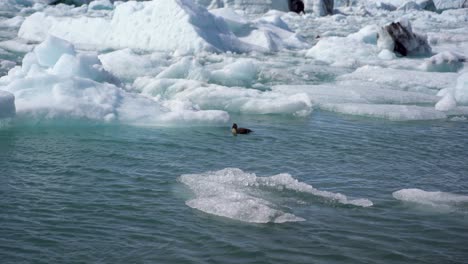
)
(238, 195)
(443, 200)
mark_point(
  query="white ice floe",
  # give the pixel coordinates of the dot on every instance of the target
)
(403, 79)
(444, 62)
(450, 4)
(128, 65)
(356, 49)
(156, 25)
(390, 112)
(442, 200)
(55, 81)
(231, 99)
(238, 195)
(456, 96)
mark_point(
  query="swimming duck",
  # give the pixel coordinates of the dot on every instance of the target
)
(235, 130)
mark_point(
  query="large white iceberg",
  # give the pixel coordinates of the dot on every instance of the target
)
(157, 25)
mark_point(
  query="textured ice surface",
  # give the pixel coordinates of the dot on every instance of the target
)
(442, 200)
(238, 195)
(289, 64)
(157, 25)
(231, 99)
(56, 82)
(444, 62)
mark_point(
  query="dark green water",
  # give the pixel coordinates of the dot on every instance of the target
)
(87, 193)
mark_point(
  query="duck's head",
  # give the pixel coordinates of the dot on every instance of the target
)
(234, 128)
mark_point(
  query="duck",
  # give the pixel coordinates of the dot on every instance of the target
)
(239, 130)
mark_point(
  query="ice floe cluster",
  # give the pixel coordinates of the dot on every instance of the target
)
(195, 62)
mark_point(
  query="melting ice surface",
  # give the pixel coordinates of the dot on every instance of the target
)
(243, 196)
(442, 200)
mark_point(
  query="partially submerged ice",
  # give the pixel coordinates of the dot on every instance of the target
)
(242, 196)
(455, 96)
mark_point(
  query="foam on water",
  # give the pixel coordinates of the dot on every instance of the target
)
(442, 200)
(243, 196)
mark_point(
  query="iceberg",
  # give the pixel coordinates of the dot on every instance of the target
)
(155, 26)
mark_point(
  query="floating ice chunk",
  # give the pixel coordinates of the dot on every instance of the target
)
(155, 25)
(5, 66)
(442, 200)
(400, 38)
(385, 54)
(344, 52)
(128, 65)
(185, 68)
(403, 79)
(355, 92)
(447, 103)
(391, 112)
(368, 34)
(235, 21)
(450, 4)
(444, 62)
(49, 51)
(271, 33)
(242, 72)
(7, 104)
(231, 99)
(16, 46)
(410, 5)
(14, 22)
(243, 196)
(461, 90)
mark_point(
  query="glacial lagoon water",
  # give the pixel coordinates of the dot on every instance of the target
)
(345, 164)
(84, 193)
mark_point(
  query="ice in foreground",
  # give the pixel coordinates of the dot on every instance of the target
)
(238, 195)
